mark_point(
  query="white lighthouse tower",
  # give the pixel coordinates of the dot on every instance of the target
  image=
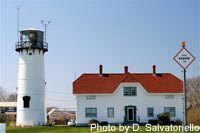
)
(31, 110)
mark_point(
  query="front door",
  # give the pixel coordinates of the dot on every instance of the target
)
(130, 114)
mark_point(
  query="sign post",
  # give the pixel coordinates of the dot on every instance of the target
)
(2, 128)
(185, 97)
(184, 58)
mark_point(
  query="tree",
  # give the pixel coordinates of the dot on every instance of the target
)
(193, 92)
(6, 96)
(12, 97)
(3, 95)
(193, 100)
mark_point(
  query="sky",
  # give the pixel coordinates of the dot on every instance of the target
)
(86, 33)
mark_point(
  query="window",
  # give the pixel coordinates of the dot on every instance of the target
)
(26, 100)
(90, 97)
(90, 112)
(130, 91)
(169, 97)
(2, 109)
(150, 112)
(110, 112)
(11, 109)
(171, 111)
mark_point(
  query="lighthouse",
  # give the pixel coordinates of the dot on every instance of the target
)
(31, 110)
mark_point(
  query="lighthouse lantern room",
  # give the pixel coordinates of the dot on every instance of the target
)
(31, 110)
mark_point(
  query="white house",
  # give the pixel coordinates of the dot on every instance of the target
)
(127, 97)
(8, 108)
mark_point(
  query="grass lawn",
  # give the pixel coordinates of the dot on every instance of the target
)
(54, 129)
(59, 129)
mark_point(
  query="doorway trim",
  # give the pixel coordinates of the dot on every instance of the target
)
(134, 111)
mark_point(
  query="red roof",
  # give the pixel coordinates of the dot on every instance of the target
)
(108, 83)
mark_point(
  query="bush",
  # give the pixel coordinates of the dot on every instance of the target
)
(12, 124)
(2, 118)
(171, 122)
(49, 124)
(153, 121)
(59, 122)
(178, 122)
(104, 123)
(164, 118)
(193, 115)
(93, 121)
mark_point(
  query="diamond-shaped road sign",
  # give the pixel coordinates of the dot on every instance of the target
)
(184, 58)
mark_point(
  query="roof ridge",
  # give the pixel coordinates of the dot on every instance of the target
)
(124, 78)
(127, 75)
(122, 73)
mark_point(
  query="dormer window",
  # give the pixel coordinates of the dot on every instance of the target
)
(26, 100)
(130, 91)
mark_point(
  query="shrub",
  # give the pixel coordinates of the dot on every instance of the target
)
(178, 122)
(171, 123)
(49, 124)
(164, 118)
(12, 124)
(2, 118)
(59, 122)
(194, 115)
(153, 121)
(104, 123)
(93, 121)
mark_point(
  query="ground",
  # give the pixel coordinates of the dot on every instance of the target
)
(47, 130)
(60, 129)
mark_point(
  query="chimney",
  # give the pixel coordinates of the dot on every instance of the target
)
(154, 70)
(100, 69)
(126, 69)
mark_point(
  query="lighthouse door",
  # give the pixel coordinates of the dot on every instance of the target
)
(26, 100)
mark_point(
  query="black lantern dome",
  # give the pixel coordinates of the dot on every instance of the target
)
(31, 38)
